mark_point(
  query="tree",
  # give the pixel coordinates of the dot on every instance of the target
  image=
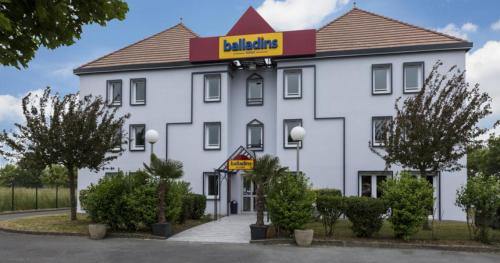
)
(71, 131)
(16, 175)
(166, 171)
(55, 175)
(485, 159)
(265, 169)
(432, 130)
(27, 25)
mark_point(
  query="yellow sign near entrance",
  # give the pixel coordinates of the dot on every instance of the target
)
(240, 165)
(249, 46)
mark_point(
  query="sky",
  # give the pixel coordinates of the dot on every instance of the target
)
(476, 21)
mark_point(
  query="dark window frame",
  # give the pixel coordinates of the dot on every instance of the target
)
(418, 63)
(205, 136)
(205, 185)
(131, 100)
(205, 92)
(260, 102)
(285, 138)
(120, 148)
(132, 128)
(285, 95)
(383, 66)
(252, 124)
(108, 83)
(373, 129)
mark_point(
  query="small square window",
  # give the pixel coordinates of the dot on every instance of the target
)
(255, 90)
(211, 182)
(255, 135)
(212, 136)
(288, 125)
(137, 137)
(212, 88)
(382, 79)
(114, 92)
(378, 127)
(138, 91)
(413, 77)
(292, 84)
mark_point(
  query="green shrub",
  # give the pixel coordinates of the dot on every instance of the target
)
(409, 199)
(480, 199)
(366, 214)
(199, 205)
(290, 202)
(328, 191)
(177, 190)
(142, 204)
(330, 206)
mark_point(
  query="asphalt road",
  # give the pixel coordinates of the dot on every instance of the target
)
(45, 249)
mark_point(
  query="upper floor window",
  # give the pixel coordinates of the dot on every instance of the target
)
(114, 92)
(292, 84)
(381, 79)
(413, 77)
(288, 125)
(212, 136)
(117, 141)
(255, 90)
(379, 125)
(255, 135)
(212, 88)
(137, 137)
(138, 91)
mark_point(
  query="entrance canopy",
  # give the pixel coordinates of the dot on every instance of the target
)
(241, 159)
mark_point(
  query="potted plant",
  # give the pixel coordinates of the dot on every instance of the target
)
(97, 231)
(265, 169)
(166, 171)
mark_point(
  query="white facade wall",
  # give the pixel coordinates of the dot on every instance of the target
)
(343, 101)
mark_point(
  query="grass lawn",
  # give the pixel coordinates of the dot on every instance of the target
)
(62, 224)
(444, 232)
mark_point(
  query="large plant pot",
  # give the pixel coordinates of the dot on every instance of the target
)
(303, 238)
(162, 229)
(97, 231)
(258, 232)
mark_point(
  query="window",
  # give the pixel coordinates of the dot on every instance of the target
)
(212, 136)
(413, 77)
(138, 91)
(288, 125)
(117, 141)
(381, 79)
(378, 126)
(137, 137)
(292, 84)
(114, 92)
(255, 135)
(255, 90)
(212, 88)
(211, 185)
(370, 182)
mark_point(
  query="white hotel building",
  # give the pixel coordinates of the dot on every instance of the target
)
(207, 96)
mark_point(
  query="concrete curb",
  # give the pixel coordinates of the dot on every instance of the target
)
(33, 211)
(381, 244)
(108, 235)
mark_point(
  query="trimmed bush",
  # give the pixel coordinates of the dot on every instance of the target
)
(409, 199)
(199, 205)
(328, 191)
(290, 202)
(330, 207)
(177, 190)
(365, 214)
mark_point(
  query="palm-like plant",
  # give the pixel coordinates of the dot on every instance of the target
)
(167, 171)
(265, 169)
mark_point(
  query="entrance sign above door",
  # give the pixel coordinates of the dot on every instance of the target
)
(235, 165)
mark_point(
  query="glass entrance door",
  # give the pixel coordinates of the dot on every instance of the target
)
(248, 194)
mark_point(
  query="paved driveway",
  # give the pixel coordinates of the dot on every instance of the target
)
(53, 249)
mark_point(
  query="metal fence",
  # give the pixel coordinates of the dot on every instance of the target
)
(27, 198)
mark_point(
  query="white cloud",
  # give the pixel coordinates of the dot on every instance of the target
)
(11, 106)
(496, 25)
(460, 32)
(298, 14)
(482, 67)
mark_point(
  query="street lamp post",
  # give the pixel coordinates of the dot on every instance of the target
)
(298, 133)
(152, 137)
